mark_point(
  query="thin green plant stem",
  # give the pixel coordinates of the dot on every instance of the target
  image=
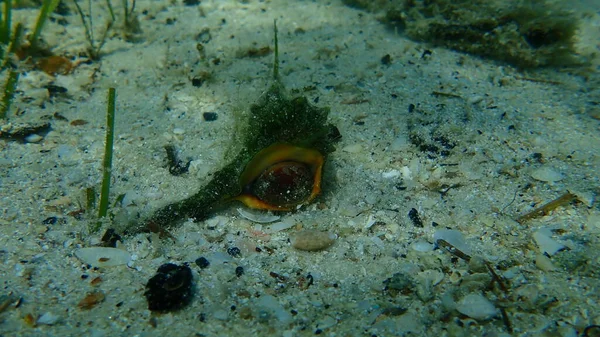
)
(9, 93)
(94, 50)
(86, 26)
(5, 27)
(48, 6)
(108, 153)
(12, 47)
(276, 61)
(90, 18)
(110, 10)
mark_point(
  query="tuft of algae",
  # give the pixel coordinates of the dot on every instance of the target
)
(524, 33)
(275, 118)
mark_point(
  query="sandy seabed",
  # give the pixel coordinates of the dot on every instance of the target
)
(468, 143)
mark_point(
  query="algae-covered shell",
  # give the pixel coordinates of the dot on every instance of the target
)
(281, 177)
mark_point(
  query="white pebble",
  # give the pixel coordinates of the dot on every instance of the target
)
(475, 99)
(355, 148)
(312, 240)
(544, 263)
(546, 174)
(391, 174)
(178, 131)
(278, 227)
(220, 314)
(48, 318)
(33, 138)
(477, 307)
(546, 243)
(103, 256)
(421, 246)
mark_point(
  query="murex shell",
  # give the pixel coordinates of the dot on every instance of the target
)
(281, 177)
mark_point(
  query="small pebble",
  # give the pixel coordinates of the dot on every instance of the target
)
(391, 174)
(544, 263)
(312, 240)
(546, 174)
(234, 251)
(33, 138)
(48, 318)
(477, 307)
(91, 300)
(178, 131)
(210, 116)
(239, 271)
(355, 148)
(202, 262)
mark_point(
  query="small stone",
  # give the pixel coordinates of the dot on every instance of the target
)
(210, 116)
(170, 288)
(477, 307)
(239, 271)
(202, 262)
(48, 318)
(33, 138)
(391, 174)
(178, 131)
(354, 148)
(234, 251)
(546, 174)
(312, 240)
(544, 263)
(91, 300)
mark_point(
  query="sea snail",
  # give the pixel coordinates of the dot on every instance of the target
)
(281, 177)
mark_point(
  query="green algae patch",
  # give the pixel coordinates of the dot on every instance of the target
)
(526, 34)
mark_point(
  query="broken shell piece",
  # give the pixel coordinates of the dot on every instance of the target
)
(547, 174)
(312, 240)
(477, 307)
(546, 243)
(258, 217)
(103, 256)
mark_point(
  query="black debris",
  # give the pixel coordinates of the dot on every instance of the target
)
(176, 166)
(202, 262)
(413, 214)
(386, 60)
(170, 289)
(55, 90)
(239, 271)
(110, 238)
(234, 251)
(191, 2)
(210, 116)
(197, 82)
(50, 220)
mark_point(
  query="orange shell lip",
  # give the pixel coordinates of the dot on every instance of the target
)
(272, 155)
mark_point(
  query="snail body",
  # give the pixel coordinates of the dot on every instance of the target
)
(281, 177)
